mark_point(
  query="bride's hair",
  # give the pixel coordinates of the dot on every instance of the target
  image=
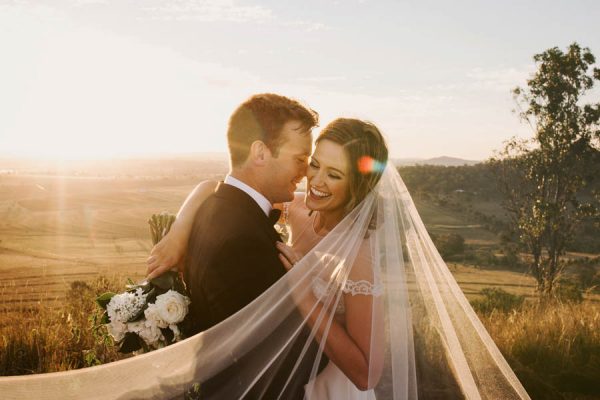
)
(367, 154)
(262, 117)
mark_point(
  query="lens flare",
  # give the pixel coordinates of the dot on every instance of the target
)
(367, 165)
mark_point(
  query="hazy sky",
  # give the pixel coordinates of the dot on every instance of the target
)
(86, 78)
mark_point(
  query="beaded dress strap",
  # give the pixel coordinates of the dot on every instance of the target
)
(286, 212)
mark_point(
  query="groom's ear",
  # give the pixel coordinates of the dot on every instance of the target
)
(259, 153)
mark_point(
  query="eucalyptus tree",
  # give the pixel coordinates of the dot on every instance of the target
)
(545, 178)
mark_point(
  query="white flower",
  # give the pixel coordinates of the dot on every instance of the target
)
(117, 330)
(172, 307)
(176, 332)
(149, 332)
(152, 316)
(122, 307)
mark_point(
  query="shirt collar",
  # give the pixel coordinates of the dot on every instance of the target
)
(261, 200)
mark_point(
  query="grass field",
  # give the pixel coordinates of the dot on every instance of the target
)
(55, 230)
(58, 230)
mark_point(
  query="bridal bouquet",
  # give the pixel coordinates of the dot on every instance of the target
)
(148, 315)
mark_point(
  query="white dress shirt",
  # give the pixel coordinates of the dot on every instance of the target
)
(261, 200)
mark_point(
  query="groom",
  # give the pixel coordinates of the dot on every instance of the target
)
(232, 257)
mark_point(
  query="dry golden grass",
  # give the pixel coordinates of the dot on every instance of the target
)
(45, 338)
(554, 348)
(57, 231)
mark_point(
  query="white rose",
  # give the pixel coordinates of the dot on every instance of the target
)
(149, 332)
(117, 330)
(153, 317)
(172, 307)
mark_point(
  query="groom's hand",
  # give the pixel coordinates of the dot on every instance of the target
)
(165, 255)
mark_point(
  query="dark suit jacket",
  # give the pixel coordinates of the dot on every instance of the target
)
(232, 259)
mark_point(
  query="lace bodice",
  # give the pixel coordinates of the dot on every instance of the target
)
(321, 289)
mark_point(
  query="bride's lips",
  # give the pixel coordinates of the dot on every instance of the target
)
(316, 194)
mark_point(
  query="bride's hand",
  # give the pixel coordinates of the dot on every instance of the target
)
(165, 255)
(287, 255)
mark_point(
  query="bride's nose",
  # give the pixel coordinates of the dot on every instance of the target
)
(316, 179)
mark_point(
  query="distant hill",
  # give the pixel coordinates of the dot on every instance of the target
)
(442, 161)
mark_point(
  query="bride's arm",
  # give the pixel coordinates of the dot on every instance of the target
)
(355, 347)
(171, 250)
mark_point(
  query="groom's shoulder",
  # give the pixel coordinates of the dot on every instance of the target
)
(230, 213)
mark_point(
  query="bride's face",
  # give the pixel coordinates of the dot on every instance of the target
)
(328, 177)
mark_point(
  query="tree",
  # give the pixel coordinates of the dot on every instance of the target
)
(544, 178)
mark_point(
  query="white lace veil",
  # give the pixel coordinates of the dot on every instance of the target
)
(426, 340)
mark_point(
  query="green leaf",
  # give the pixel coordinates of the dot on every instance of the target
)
(104, 319)
(104, 299)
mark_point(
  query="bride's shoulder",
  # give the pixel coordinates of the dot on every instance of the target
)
(363, 268)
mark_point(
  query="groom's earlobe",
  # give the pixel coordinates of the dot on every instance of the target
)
(259, 152)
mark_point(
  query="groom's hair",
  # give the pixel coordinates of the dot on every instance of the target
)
(262, 117)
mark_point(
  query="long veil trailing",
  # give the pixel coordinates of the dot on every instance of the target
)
(426, 340)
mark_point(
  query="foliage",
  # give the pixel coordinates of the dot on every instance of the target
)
(449, 244)
(428, 180)
(496, 299)
(543, 178)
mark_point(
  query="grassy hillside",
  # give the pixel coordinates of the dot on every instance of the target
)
(65, 239)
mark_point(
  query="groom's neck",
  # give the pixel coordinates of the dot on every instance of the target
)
(248, 178)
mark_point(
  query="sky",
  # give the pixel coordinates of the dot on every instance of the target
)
(104, 78)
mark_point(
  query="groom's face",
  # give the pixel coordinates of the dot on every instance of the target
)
(289, 167)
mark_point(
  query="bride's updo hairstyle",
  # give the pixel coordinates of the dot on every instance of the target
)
(367, 154)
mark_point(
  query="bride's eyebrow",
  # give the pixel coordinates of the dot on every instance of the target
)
(336, 170)
(332, 168)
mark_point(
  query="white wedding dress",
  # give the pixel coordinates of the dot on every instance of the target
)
(331, 383)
